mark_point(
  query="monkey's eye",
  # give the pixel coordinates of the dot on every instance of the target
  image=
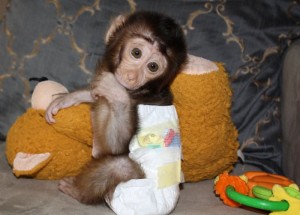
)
(136, 53)
(153, 67)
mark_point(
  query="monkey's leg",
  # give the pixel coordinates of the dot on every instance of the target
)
(113, 127)
(100, 178)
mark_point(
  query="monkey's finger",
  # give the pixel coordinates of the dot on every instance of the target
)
(55, 110)
(49, 118)
(49, 115)
(95, 95)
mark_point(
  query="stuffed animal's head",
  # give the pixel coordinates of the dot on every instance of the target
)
(45, 92)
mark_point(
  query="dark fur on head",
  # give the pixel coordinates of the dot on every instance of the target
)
(156, 27)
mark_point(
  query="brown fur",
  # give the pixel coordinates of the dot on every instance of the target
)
(122, 82)
(99, 178)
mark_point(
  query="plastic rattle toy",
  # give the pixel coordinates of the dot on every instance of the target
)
(259, 190)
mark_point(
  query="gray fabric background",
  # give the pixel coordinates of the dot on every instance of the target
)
(291, 112)
(62, 40)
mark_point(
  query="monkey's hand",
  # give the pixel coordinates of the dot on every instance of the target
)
(106, 85)
(65, 101)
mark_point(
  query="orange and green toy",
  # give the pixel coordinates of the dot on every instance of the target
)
(259, 190)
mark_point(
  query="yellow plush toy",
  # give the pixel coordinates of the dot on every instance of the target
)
(36, 149)
(202, 97)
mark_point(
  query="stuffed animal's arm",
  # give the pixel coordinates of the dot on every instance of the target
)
(67, 100)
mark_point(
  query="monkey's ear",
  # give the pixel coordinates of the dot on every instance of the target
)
(117, 22)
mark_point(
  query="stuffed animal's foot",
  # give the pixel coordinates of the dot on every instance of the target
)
(26, 164)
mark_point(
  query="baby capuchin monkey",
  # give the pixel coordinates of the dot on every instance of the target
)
(144, 53)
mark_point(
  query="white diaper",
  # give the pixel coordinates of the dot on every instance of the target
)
(157, 149)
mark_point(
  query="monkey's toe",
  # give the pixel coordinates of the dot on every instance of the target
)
(67, 180)
(67, 186)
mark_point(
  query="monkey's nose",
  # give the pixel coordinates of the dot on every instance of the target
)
(131, 77)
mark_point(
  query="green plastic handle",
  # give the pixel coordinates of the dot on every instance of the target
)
(255, 202)
(262, 192)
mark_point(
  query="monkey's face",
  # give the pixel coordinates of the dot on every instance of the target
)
(140, 62)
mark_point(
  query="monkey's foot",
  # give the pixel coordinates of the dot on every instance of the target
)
(68, 187)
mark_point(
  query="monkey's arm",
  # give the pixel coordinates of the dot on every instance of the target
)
(106, 85)
(67, 100)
